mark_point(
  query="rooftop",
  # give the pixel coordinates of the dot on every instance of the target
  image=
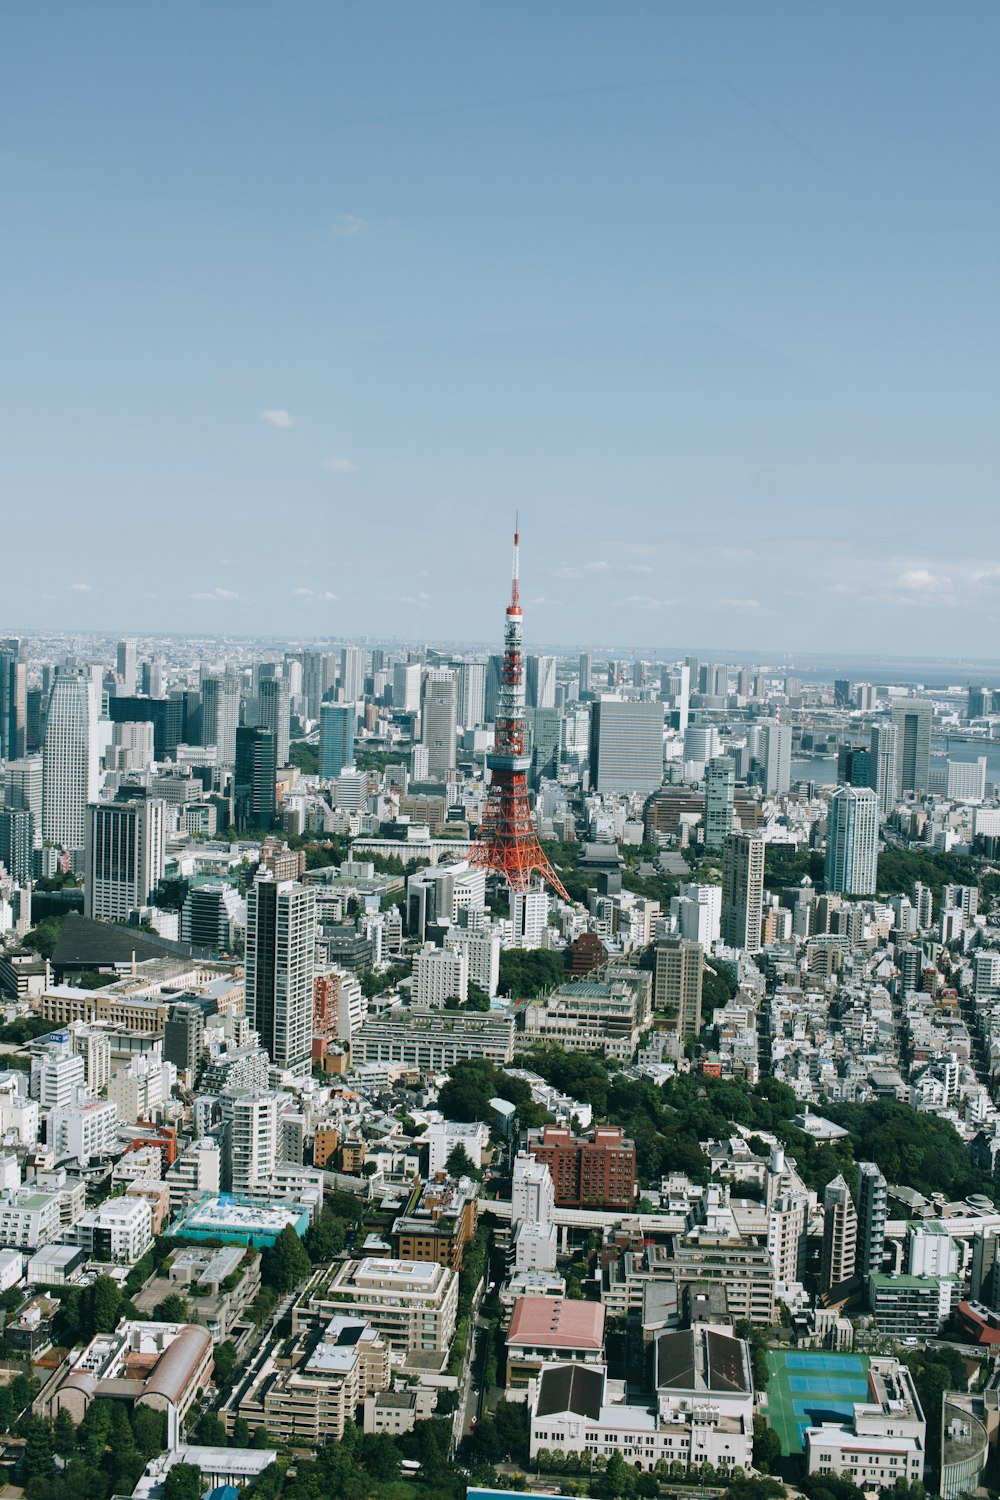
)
(557, 1323)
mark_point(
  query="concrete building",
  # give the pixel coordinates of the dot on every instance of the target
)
(872, 1200)
(913, 720)
(626, 746)
(280, 960)
(118, 1232)
(701, 1412)
(440, 974)
(71, 760)
(547, 1329)
(439, 717)
(336, 739)
(884, 750)
(589, 1171)
(412, 1306)
(720, 794)
(840, 1235)
(677, 983)
(743, 891)
(125, 848)
(852, 841)
(595, 1015)
(529, 916)
(434, 1040)
(883, 1442)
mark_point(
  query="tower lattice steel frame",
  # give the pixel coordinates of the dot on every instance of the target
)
(507, 843)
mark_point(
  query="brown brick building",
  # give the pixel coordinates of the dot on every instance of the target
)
(592, 1171)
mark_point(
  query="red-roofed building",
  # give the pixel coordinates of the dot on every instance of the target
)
(543, 1329)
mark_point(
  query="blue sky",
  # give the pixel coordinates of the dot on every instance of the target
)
(301, 301)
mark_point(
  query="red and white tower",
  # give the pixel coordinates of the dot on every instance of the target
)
(507, 843)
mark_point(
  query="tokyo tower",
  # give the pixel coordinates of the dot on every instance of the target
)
(507, 843)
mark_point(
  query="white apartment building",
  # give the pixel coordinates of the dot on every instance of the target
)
(254, 1126)
(443, 1136)
(29, 1218)
(140, 1090)
(529, 918)
(197, 1171)
(482, 954)
(885, 1439)
(413, 1305)
(434, 1040)
(84, 1129)
(56, 1074)
(119, 1232)
(532, 1197)
(440, 974)
(18, 1116)
(697, 910)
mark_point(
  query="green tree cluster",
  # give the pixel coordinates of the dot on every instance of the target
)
(285, 1264)
(527, 972)
(472, 1084)
(43, 938)
(327, 1237)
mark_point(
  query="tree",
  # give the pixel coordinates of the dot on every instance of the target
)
(241, 1433)
(458, 1163)
(149, 1430)
(6, 1409)
(212, 1431)
(105, 1304)
(226, 1361)
(183, 1482)
(21, 1392)
(173, 1309)
(37, 1447)
(286, 1264)
(381, 1457)
(260, 1439)
(766, 1446)
(326, 1238)
(619, 1481)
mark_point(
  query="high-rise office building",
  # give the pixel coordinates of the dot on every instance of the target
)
(17, 843)
(677, 983)
(743, 890)
(406, 687)
(777, 759)
(183, 1034)
(840, 1235)
(153, 679)
(280, 963)
(352, 674)
(13, 700)
(22, 781)
(124, 857)
(70, 760)
(720, 797)
(980, 703)
(884, 744)
(852, 841)
(336, 738)
(544, 727)
(127, 666)
(494, 673)
(319, 673)
(220, 715)
(440, 717)
(586, 672)
(843, 693)
(540, 682)
(472, 694)
(854, 766)
(913, 719)
(626, 746)
(254, 779)
(872, 1211)
(273, 713)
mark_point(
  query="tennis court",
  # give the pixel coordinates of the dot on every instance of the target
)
(805, 1389)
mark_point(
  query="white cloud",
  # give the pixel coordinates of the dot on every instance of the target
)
(303, 593)
(642, 601)
(542, 601)
(341, 466)
(567, 573)
(919, 587)
(326, 597)
(347, 225)
(80, 588)
(420, 600)
(737, 604)
(277, 417)
(216, 594)
(637, 568)
(597, 567)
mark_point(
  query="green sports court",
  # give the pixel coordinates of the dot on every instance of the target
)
(805, 1388)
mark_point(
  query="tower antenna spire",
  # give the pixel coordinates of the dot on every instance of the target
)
(507, 843)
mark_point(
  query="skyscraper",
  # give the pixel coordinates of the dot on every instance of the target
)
(336, 738)
(472, 694)
(13, 700)
(884, 744)
(743, 890)
(540, 682)
(777, 759)
(124, 857)
(127, 666)
(840, 1235)
(254, 780)
(220, 714)
(280, 963)
(720, 794)
(913, 719)
(494, 671)
(71, 759)
(406, 687)
(17, 843)
(352, 674)
(273, 713)
(854, 766)
(852, 841)
(626, 746)
(677, 983)
(872, 1211)
(23, 789)
(586, 672)
(440, 716)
